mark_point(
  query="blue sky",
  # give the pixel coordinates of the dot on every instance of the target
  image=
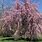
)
(9, 3)
(40, 7)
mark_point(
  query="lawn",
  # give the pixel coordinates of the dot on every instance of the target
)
(11, 39)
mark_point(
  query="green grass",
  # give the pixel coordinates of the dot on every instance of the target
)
(11, 39)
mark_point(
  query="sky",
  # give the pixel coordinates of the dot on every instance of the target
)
(9, 3)
(40, 7)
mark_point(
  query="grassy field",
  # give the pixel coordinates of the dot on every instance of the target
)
(11, 39)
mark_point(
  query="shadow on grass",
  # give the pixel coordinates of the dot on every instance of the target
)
(19, 39)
